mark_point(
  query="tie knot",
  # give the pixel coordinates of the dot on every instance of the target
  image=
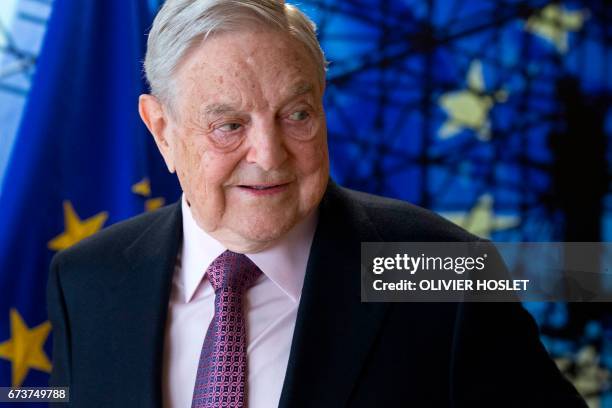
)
(232, 270)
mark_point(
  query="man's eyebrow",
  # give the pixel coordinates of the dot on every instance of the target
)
(300, 89)
(218, 109)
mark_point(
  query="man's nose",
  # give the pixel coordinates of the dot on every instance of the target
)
(267, 147)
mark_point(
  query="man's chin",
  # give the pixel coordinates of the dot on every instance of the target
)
(264, 236)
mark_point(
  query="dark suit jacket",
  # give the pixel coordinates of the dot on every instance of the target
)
(108, 299)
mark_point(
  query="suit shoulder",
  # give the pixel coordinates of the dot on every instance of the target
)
(397, 220)
(110, 241)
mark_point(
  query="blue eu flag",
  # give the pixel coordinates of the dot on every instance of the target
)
(82, 160)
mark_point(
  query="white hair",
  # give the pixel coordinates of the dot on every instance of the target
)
(181, 25)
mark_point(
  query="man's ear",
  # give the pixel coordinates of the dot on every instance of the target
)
(155, 118)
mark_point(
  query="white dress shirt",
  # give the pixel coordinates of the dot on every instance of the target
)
(270, 311)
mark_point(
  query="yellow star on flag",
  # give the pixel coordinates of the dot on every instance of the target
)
(142, 188)
(75, 228)
(25, 348)
(153, 204)
(553, 24)
(469, 108)
(481, 219)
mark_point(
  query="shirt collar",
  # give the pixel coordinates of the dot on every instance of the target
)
(284, 263)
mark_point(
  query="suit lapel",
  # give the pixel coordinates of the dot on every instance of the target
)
(334, 330)
(140, 304)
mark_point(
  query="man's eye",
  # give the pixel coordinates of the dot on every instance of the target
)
(299, 115)
(229, 127)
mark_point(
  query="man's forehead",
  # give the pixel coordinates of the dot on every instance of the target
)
(249, 43)
(232, 72)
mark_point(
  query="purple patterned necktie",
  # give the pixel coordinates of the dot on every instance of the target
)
(221, 378)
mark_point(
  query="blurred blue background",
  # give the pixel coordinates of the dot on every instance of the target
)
(496, 114)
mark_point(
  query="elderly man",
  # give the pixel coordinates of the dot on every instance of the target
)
(246, 293)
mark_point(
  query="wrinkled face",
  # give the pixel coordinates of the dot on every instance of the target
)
(248, 140)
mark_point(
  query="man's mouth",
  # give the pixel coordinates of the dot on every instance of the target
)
(264, 188)
(260, 187)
